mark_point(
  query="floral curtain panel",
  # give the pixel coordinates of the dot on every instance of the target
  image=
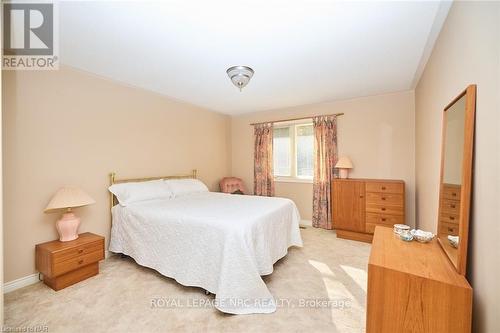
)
(263, 160)
(325, 158)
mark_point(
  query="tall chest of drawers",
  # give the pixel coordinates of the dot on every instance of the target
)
(449, 209)
(359, 205)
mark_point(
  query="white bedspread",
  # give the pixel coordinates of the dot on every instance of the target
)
(220, 242)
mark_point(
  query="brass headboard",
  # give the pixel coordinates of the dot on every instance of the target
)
(113, 180)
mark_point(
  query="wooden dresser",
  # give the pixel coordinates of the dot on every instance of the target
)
(359, 205)
(413, 287)
(65, 263)
(449, 209)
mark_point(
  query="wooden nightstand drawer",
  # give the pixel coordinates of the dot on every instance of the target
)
(65, 280)
(78, 251)
(72, 264)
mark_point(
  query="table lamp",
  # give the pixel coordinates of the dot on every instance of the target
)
(68, 198)
(344, 164)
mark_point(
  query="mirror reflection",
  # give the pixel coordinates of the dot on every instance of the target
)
(449, 205)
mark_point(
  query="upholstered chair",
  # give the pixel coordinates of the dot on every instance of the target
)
(232, 184)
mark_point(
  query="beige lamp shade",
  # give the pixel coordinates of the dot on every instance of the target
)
(344, 163)
(68, 197)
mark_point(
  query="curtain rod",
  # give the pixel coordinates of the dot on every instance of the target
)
(301, 118)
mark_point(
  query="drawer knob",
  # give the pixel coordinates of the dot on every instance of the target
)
(361, 196)
(383, 219)
(453, 206)
(383, 209)
(450, 229)
(80, 250)
(452, 218)
(80, 261)
(383, 198)
(454, 194)
(383, 187)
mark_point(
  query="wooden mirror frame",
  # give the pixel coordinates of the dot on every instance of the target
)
(460, 262)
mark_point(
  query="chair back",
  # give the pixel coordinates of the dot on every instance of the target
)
(232, 184)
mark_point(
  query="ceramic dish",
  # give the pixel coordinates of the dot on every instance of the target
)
(406, 235)
(422, 236)
(398, 228)
(453, 241)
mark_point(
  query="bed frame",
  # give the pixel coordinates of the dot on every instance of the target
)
(113, 180)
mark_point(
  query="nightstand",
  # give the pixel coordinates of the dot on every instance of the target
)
(65, 263)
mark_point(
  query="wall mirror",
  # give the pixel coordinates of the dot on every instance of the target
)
(456, 177)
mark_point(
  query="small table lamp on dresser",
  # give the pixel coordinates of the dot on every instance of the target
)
(68, 198)
(344, 164)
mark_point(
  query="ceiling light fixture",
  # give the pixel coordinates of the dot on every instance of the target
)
(240, 75)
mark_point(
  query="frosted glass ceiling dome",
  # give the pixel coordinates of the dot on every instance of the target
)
(240, 75)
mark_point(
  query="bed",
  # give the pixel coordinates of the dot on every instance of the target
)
(220, 242)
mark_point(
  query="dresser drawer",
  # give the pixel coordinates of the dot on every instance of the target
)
(384, 209)
(77, 262)
(77, 251)
(451, 191)
(448, 228)
(384, 219)
(382, 187)
(449, 206)
(450, 218)
(384, 198)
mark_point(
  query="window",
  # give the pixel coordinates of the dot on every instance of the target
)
(281, 152)
(293, 147)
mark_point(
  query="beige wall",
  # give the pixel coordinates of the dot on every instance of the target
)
(1, 202)
(454, 143)
(377, 132)
(68, 127)
(467, 51)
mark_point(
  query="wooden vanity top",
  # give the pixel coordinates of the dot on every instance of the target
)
(413, 287)
(426, 260)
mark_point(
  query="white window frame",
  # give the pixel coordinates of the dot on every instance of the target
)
(293, 178)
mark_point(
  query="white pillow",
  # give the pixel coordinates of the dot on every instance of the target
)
(180, 187)
(127, 193)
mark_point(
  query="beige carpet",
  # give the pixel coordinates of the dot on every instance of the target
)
(122, 298)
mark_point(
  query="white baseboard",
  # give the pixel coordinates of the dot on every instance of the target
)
(307, 223)
(30, 279)
(19, 283)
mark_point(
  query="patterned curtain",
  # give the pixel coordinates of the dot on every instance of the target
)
(325, 158)
(263, 183)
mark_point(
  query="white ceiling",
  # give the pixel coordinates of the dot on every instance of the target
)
(302, 51)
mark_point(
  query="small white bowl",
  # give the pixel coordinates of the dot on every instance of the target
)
(398, 228)
(453, 241)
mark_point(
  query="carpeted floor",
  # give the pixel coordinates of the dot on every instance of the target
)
(320, 287)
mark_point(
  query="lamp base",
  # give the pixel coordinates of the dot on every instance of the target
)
(67, 227)
(344, 173)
